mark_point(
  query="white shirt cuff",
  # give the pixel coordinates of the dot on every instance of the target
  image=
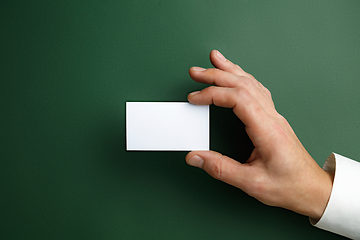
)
(342, 214)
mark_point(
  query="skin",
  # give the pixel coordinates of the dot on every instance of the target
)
(279, 172)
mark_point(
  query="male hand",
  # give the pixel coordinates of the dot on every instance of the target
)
(279, 172)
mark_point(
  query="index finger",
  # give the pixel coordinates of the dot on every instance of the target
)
(219, 77)
(244, 105)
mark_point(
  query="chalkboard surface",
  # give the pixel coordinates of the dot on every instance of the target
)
(68, 67)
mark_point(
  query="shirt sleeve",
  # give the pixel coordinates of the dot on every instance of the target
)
(342, 214)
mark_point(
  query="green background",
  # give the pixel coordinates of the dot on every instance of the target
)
(68, 67)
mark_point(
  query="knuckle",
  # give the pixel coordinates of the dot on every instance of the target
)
(241, 92)
(261, 192)
(257, 187)
(250, 75)
(237, 68)
(246, 81)
(214, 73)
(211, 89)
(283, 119)
(217, 77)
(268, 92)
(211, 71)
(215, 170)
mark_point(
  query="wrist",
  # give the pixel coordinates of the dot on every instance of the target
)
(321, 195)
(311, 195)
(328, 183)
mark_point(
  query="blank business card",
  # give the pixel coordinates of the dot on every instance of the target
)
(166, 126)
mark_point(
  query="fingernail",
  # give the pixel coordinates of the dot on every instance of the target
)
(220, 56)
(198, 69)
(196, 161)
(194, 93)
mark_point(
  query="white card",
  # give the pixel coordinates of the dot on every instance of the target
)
(166, 126)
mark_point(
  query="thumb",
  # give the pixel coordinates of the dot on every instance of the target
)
(219, 167)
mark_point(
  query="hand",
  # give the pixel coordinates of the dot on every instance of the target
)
(279, 172)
